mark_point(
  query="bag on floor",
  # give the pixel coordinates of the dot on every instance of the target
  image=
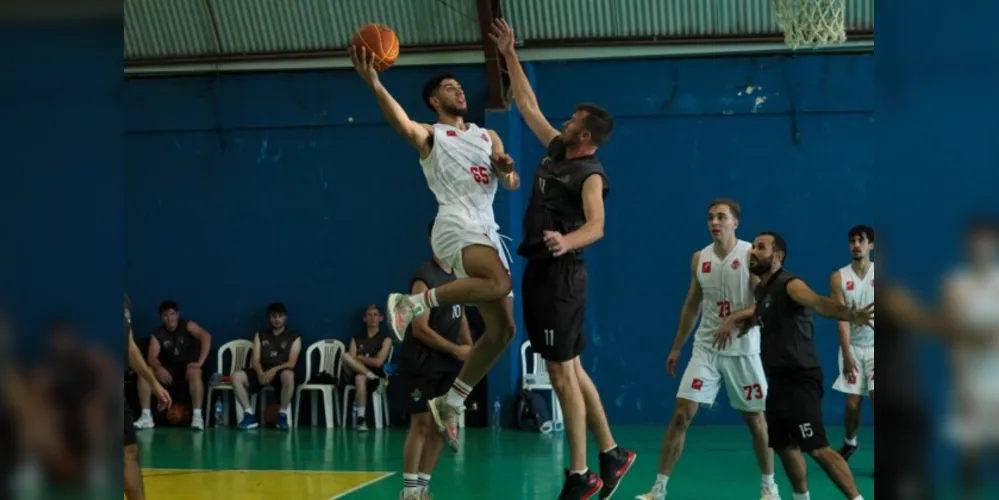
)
(532, 411)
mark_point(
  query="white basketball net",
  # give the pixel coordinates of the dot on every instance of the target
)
(811, 23)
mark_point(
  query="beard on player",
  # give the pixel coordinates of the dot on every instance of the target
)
(454, 108)
(760, 266)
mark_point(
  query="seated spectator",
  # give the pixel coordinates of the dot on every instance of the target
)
(365, 361)
(275, 354)
(177, 351)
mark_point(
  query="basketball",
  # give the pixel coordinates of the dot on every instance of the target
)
(178, 414)
(379, 40)
(271, 414)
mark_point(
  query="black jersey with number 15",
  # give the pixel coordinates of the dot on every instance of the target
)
(417, 358)
(786, 327)
(557, 198)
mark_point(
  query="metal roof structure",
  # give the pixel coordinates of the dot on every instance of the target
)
(172, 29)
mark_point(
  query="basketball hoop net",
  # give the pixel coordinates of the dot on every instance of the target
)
(811, 23)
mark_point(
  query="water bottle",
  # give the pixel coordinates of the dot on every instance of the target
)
(219, 411)
(497, 412)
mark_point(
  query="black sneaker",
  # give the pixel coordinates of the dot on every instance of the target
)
(847, 451)
(580, 486)
(613, 466)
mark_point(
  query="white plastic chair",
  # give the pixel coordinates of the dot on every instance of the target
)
(379, 399)
(330, 357)
(239, 350)
(534, 377)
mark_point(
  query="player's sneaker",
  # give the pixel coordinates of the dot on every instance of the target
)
(613, 466)
(769, 492)
(401, 311)
(198, 422)
(145, 422)
(580, 486)
(658, 493)
(446, 418)
(409, 496)
(847, 451)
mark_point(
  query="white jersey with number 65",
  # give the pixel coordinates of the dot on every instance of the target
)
(725, 288)
(458, 172)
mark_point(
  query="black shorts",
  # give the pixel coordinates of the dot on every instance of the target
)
(420, 388)
(254, 386)
(554, 302)
(178, 372)
(794, 410)
(130, 437)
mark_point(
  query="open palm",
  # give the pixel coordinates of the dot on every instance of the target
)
(502, 36)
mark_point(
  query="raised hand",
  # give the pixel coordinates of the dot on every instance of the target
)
(502, 36)
(364, 64)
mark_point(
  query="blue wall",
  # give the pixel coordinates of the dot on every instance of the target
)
(245, 189)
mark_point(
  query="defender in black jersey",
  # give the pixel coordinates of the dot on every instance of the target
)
(435, 345)
(133, 486)
(564, 216)
(784, 305)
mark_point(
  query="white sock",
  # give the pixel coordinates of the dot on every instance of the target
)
(424, 301)
(859, 498)
(767, 479)
(851, 441)
(608, 450)
(662, 479)
(579, 472)
(458, 393)
(360, 412)
(247, 411)
(371, 376)
(147, 414)
(424, 481)
(801, 496)
(197, 412)
(284, 411)
(410, 483)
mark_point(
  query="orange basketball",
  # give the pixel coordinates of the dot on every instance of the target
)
(271, 414)
(178, 414)
(379, 40)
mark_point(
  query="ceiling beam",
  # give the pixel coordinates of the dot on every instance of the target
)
(496, 76)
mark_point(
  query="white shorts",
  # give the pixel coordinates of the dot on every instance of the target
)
(862, 382)
(453, 233)
(743, 377)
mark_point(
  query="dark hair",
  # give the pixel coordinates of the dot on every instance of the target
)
(982, 225)
(733, 206)
(779, 243)
(430, 228)
(862, 231)
(276, 308)
(598, 122)
(432, 86)
(375, 307)
(167, 305)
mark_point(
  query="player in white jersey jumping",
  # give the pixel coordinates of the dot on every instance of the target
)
(721, 289)
(972, 300)
(463, 164)
(853, 285)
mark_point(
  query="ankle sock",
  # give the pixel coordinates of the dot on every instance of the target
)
(801, 496)
(458, 393)
(767, 479)
(851, 441)
(410, 483)
(662, 479)
(424, 481)
(425, 300)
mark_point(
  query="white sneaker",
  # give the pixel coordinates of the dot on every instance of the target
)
(769, 492)
(144, 422)
(198, 422)
(400, 314)
(658, 493)
(446, 418)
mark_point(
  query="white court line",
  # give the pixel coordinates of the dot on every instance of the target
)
(365, 485)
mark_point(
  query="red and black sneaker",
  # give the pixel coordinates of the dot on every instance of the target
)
(580, 486)
(613, 466)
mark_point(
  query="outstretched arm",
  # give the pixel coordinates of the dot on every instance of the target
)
(824, 306)
(416, 134)
(527, 102)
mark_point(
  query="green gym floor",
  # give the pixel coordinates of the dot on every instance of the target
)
(321, 464)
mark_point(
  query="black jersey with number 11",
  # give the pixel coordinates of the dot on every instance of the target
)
(557, 198)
